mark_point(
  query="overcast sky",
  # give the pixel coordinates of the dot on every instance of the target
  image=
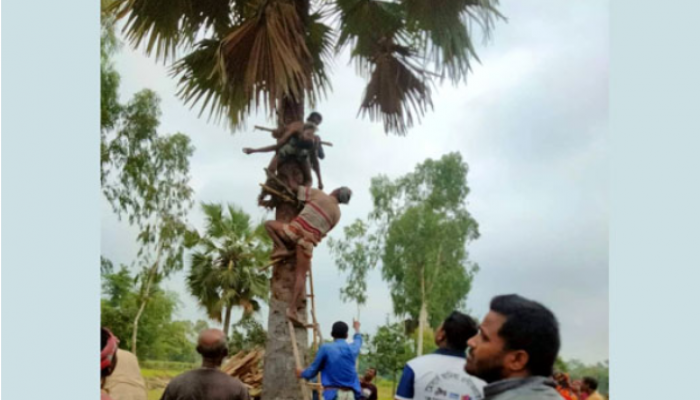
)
(532, 123)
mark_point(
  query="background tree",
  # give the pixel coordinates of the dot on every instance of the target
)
(389, 350)
(144, 175)
(236, 56)
(162, 337)
(225, 268)
(419, 229)
(247, 334)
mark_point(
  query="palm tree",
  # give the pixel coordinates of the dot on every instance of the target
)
(225, 269)
(235, 56)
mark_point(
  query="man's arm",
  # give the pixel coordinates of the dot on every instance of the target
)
(405, 389)
(356, 344)
(290, 130)
(267, 149)
(316, 366)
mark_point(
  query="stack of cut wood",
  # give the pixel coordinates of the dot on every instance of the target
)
(247, 366)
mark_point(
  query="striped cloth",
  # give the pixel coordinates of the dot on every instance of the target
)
(320, 214)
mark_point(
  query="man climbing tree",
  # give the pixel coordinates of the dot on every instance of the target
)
(319, 215)
(299, 141)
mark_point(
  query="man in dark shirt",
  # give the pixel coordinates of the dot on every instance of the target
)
(369, 391)
(207, 382)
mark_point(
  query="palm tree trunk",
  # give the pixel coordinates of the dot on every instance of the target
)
(279, 380)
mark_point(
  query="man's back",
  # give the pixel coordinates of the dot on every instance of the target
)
(439, 375)
(336, 361)
(205, 383)
(126, 382)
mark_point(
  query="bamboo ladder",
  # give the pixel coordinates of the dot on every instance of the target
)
(317, 341)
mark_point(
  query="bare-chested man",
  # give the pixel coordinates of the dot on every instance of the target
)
(297, 140)
(320, 214)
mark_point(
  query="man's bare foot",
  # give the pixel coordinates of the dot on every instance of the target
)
(292, 315)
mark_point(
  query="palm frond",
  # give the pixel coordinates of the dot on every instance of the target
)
(163, 25)
(396, 90)
(364, 22)
(320, 40)
(444, 34)
(267, 57)
(200, 83)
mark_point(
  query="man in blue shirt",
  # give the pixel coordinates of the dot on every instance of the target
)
(336, 362)
(441, 375)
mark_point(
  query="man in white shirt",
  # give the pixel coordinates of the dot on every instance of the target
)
(441, 375)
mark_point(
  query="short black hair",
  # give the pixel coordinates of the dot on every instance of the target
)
(531, 327)
(591, 382)
(315, 114)
(458, 329)
(339, 330)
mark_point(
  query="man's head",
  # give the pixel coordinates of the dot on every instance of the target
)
(562, 379)
(343, 194)
(212, 346)
(454, 332)
(518, 338)
(339, 330)
(315, 118)
(370, 374)
(108, 352)
(589, 384)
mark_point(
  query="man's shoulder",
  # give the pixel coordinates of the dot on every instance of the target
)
(530, 392)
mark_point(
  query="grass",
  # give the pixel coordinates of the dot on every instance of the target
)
(384, 389)
(155, 394)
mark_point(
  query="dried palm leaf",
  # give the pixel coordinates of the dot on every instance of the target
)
(267, 56)
(396, 89)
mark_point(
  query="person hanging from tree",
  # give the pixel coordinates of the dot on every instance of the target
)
(319, 215)
(298, 141)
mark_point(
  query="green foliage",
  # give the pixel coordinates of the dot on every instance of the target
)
(160, 337)
(247, 334)
(243, 54)
(357, 254)
(428, 340)
(390, 349)
(225, 266)
(419, 228)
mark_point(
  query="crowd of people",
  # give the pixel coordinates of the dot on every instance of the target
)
(510, 355)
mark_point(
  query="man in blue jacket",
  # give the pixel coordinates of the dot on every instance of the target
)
(336, 362)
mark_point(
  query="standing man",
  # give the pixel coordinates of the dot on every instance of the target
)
(590, 387)
(320, 214)
(369, 390)
(441, 374)
(207, 382)
(336, 362)
(515, 350)
(126, 381)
